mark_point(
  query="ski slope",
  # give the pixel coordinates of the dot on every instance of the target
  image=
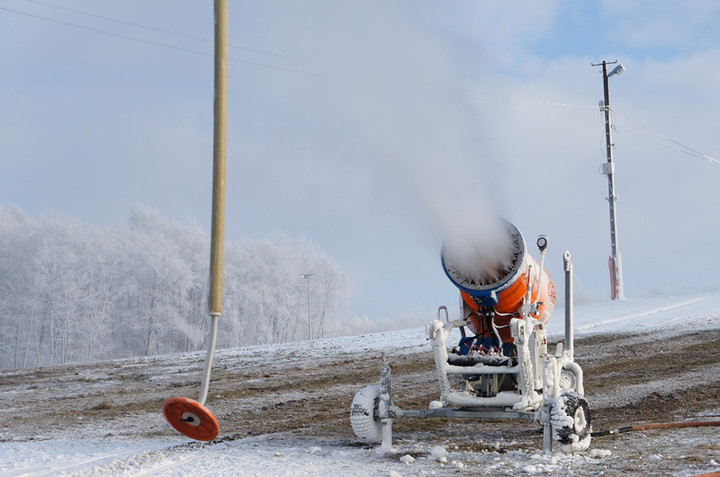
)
(642, 315)
(105, 451)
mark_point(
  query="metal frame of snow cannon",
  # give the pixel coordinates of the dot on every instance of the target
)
(549, 387)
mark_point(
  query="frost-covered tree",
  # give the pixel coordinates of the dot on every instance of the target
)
(74, 292)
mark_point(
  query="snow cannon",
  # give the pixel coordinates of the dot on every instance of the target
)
(497, 277)
(501, 368)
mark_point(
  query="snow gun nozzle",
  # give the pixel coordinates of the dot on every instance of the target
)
(481, 266)
(494, 270)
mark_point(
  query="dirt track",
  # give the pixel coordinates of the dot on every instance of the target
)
(628, 380)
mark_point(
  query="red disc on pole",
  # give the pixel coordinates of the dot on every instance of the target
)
(191, 418)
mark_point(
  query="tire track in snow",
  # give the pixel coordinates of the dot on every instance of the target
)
(140, 462)
(642, 314)
(77, 465)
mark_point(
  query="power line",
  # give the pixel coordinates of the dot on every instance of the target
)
(149, 42)
(673, 144)
(150, 28)
(104, 32)
(540, 102)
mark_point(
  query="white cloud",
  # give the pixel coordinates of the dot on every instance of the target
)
(681, 26)
(411, 112)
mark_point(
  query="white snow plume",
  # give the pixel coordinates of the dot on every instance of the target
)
(483, 253)
(407, 100)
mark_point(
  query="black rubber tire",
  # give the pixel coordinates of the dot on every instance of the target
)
(571, 422)
(362, 415)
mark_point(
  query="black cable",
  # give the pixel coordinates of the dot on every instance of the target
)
(149, 42)
(159, 30)
(664, 425)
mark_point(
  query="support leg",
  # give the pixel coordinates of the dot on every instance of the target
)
(547, 430)
(386, 445)
(385, 405)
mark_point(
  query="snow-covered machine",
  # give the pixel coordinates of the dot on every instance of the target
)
(500, 367)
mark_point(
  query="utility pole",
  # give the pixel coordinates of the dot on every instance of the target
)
(217, 231)
(307, 276)
(189, 417)
(608, 168)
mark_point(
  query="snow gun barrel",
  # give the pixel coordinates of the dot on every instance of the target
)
(494, 273)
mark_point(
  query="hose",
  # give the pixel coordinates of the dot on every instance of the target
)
(204, 385)
(665, 425)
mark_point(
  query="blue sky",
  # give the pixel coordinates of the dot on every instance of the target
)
(370, 127)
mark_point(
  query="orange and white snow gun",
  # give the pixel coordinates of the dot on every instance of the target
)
(499, 280)
(502, 369)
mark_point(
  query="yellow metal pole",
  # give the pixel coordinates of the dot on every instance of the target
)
(217, 234)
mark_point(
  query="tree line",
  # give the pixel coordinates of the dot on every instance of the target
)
(75, 292)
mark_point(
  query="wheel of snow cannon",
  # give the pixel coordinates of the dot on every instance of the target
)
(362, 415)
(571, 422)
(191, 418)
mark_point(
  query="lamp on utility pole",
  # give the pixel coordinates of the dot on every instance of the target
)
(307, 277)
(608, 168)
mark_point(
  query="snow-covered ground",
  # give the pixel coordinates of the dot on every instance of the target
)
(642, 315)
(277, 454)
